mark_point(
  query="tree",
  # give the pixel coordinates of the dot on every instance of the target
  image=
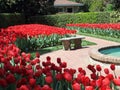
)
(27, 7)
(116, 4)
(100, 5)
(6, 5)
(86, 3)
(96, 5)
(30, 7)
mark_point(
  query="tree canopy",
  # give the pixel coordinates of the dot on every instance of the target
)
(29, 7)
(100, 5)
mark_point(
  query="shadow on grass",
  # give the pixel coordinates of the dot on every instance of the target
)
(45, 50)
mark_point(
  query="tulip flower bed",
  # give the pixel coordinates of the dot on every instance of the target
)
(110, 30)
(19, 72)
(34, 36)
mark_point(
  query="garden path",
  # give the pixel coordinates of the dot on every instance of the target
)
(79, 57)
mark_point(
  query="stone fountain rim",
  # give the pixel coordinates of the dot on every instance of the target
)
(97, 56)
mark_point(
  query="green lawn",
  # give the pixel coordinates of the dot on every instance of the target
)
(102, 37)
(55, 48)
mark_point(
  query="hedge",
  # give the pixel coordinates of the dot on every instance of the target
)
(8, 19)
(59, 20)
(53, 20)
(115, 17)
(62, 19)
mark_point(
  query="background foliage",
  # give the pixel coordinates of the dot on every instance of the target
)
(56, 20)
(31, 7)
(115, 17)
(27, 7)
(62, 19)
(8, 19)
(100, 5)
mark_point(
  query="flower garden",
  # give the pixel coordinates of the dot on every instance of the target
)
(18, 71)
(36, 36)
(110, 30)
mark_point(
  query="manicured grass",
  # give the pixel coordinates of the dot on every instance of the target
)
(101, 37)
(87, 43)
(55, 48)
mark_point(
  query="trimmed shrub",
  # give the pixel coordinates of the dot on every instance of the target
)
(62, 19)
(93, 17)
(8, 19)
(115, 17)
(54, 20)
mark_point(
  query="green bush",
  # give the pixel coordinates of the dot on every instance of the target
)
(85, 18)
(103, 17)
(96, 5)
(62, 19)
(109, 7)
(115, 17)
(93, 17)
(59, 20)
(54, 20)
(8, 19)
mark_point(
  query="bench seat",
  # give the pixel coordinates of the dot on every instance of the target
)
(76, 40)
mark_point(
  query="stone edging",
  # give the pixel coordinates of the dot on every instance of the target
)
(96, 55)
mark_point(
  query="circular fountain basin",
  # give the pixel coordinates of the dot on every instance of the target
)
(108, 54)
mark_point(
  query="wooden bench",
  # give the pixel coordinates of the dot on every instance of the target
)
(76, 41)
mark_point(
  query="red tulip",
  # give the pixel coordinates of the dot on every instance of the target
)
(59, 60)
(37, 87)
(106, 70)
(3, 83)
(10, 78)
(112, 66)
(48, 58)
(24, 87)
(22, 81)
(101, 26)
(37, 54)
(105, 82)
(116, 81)
(86, 81)
(91, 67)
(38, 73)
(93, 83)
(98, 67)
(48, 79)
(89, 88)
(38, 67)
(105, 88)
(32, 82)
(76, 86)
(59, 76)
(99, 82)
(67, 76)
(2, 72)
(110, 76)
(80, 69)
(80, 77)
(38, 29)
(94, 76)
(63, 64)
(46, 87)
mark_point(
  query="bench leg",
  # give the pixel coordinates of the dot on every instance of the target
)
(77, 43)
(66, 44)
